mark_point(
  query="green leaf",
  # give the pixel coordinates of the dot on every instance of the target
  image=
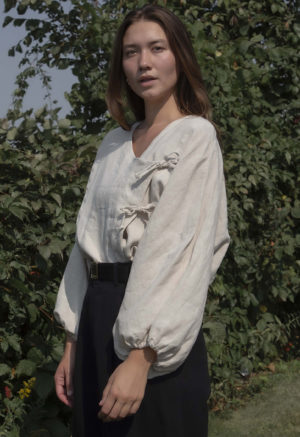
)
(246, 366)
(11, 51)
(69, 228)
(22, 8)
(35, 355)
(64, 123)
(19, 21)
(268, 317)
(57, 351)
(261, 325)
(253, 299)
(9, 4)
(256, 38)
(17, 212)
(56, 197)
(12, 134)
(296, 27)
(244, 29)
(44, 384)
(14, 341)
(25, 367)
(44, 251)
(296, 212)
(288, 157)
(31, 139)
(252, 179)
(274, 7)
(56, 246)
(20, 286)
(256, 121)
(47, 124)
(33, 312)
(7, 20)
(244, 45)
(4, 369)
(4, 345)
(39, 112)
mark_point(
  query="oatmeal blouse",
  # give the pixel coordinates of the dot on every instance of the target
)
(166, 212)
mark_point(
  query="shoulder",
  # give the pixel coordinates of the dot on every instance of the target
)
(198, 136)
(199, 125)
(113, 139)
(117, 134)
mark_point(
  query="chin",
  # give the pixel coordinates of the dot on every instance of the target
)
(154, 97)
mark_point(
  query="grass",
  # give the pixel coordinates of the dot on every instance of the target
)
(275, 412)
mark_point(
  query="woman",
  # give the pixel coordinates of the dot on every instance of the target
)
(151, 234)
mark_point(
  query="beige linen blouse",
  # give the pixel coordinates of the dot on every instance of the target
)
(165, 211)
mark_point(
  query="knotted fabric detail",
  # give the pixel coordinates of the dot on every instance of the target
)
(170, 161)
(134, 210)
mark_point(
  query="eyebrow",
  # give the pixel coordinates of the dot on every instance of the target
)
(126, 46)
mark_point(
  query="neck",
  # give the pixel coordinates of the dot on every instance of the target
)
(161, 112)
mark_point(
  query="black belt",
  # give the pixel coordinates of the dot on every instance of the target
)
(112, 272)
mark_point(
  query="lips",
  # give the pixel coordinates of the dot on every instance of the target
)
(146, 79)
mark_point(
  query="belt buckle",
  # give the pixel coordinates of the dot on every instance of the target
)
(94, 271)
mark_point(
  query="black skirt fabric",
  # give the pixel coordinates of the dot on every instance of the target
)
(174, 405)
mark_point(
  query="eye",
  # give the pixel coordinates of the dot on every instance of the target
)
(129, 52)
(158, 48)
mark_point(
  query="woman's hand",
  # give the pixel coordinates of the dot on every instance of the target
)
(64, 374)
(125, 388)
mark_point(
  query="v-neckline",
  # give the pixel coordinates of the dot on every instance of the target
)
(136, 125)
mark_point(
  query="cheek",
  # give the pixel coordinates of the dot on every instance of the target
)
(127, 68)
(169, 66)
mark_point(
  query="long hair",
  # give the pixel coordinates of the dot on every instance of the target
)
(190, 94)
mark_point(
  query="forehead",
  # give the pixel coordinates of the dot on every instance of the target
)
(143, 31)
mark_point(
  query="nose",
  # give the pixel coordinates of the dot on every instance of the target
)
(144, 60)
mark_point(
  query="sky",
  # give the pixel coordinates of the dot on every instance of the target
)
(62, 80)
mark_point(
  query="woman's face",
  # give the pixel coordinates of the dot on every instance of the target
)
(148, 62)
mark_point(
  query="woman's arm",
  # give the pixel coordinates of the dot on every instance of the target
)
(63, 377)
(177, 257)
(125, 388)
(71, 292)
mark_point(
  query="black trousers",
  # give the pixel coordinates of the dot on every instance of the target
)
(174, 405)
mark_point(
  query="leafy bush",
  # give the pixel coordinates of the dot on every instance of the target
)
(248, 53)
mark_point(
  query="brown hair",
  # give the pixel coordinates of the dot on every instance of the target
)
(191, 96)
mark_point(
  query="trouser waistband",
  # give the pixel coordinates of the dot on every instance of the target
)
(111, 272)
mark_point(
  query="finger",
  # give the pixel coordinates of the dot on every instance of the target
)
(69, 387)
(107, 406)
(61, 393)
(125, 410)
(105, 391)
(103, 416)
(114, 412)
(134, 407)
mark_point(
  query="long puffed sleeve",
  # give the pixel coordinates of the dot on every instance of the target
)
(71, 292)
(177, 258)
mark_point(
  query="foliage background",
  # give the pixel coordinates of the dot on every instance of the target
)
(248, 55)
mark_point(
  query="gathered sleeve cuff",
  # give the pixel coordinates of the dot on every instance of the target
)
(71, 293)
(177, 258)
